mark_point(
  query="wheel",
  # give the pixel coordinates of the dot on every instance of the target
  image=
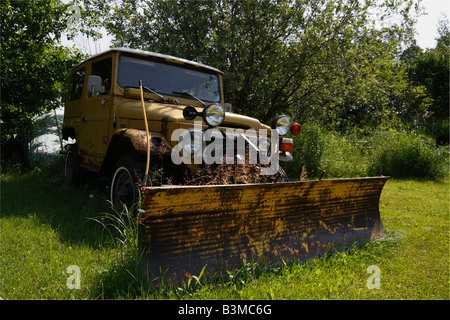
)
(278, 177)
(72, 172)
(126, 179)
(282, 176)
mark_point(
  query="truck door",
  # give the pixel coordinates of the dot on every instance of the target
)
(74, 101)
(94, 116)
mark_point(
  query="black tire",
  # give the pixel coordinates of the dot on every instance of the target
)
(72, 170)
(278, 177)
(125, 182)
(283, 177)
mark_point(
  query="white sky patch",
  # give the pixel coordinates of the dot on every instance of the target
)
(427, 25)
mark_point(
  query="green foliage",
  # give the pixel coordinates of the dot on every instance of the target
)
(317, 149)
(346, 156)
(308, 150)
(34, 67)
(428, 73)
(431, 69)
(405, 154)
(323, 61)
(400, 153)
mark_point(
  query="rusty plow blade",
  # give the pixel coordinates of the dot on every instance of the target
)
(187, 228)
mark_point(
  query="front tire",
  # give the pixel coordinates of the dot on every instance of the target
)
(282, 176)
(125, 182)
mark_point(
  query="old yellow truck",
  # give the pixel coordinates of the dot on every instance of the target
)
(103, 113)
(212, 190)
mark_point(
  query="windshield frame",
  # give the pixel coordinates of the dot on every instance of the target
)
(192, 70)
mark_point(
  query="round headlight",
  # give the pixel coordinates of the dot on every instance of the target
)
(282, 124)
(214, 115)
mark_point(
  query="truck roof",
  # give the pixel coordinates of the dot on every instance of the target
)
(153, 54)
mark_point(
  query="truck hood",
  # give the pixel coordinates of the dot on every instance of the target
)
(132, 109)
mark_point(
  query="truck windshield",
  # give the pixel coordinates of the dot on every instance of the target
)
(167, 79)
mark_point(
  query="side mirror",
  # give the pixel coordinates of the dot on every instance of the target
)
(94, 85)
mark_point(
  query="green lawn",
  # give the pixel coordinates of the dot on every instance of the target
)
(45, 228)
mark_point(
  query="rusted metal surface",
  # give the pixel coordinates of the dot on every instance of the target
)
(186, 228)
(138, 139)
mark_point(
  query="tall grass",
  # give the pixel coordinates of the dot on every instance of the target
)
(397, 153)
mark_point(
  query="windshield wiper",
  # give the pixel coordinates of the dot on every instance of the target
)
(190, 95)
(149, 90)
(153, 91)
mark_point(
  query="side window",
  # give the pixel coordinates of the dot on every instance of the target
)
(76, 84)
(103, 70)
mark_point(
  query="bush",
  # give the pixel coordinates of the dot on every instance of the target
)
(401, 154)
(408, 155)
(317, 149)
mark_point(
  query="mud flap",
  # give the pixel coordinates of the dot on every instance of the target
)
(186, 228)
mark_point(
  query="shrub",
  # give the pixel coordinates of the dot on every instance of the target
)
(401, 154)
(317, 149)
(408, 155)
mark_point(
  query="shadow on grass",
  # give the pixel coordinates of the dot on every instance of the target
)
(44, 195)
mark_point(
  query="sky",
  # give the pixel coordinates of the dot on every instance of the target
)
(427, 25)
(426, 29)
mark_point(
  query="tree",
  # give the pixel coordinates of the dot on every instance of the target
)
(34, 68)
(428, 73)
(430, 69)
(324, 59)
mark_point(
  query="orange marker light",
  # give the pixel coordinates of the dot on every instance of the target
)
(296, 128)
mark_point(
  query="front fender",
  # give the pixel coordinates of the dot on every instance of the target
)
(132, 141)
(138, 139)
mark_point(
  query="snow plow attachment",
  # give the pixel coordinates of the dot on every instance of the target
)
(187, 228)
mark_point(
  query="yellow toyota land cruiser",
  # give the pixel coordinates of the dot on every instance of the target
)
(133, 115)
